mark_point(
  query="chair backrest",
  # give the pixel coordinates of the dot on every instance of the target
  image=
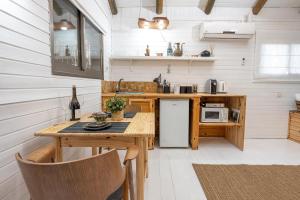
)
(93, 178)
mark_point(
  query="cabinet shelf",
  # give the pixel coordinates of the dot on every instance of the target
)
(229, 123)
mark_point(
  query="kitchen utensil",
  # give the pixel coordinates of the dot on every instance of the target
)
(195, 88)
(96, 127)
(99, 117)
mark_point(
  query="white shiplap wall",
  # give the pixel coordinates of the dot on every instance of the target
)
(31, 98)
(268, 103)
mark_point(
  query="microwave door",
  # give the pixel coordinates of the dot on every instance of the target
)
(211, 116)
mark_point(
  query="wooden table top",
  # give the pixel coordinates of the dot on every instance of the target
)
(141, 125)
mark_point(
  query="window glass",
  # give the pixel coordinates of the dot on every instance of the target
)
(295, 59)
(93, 48)
(65, 35)
(274, 59)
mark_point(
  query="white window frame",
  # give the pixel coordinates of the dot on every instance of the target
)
(274, 37)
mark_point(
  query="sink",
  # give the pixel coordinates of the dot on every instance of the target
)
(129, 93)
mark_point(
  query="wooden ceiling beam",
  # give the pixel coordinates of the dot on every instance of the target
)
(159, 6)
(113, 7)
(258, 6)
(207, 6)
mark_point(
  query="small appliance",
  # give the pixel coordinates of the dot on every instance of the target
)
(214, 114)
(214, 105)
(186, 89)
(212, 86)
(221, 87)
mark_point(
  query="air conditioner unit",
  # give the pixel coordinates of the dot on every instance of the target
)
(227, 30)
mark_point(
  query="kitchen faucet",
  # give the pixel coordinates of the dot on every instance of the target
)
(118, 89)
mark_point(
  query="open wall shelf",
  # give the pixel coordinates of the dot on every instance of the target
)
(163, 58)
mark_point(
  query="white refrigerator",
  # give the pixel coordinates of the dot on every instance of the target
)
(174, 123)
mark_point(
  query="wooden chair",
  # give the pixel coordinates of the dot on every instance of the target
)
(99, 177)
(45, 154)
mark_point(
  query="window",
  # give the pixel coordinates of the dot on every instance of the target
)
(77, 45)
(278, 56)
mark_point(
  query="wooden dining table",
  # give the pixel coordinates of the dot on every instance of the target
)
(140, 128)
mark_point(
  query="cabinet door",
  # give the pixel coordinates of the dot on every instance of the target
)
(145, 105)
(104, 100)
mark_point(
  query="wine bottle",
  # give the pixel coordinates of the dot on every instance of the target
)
(74, 105)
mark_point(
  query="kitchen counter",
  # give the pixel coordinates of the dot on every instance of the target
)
(233, 132)
(171, 95)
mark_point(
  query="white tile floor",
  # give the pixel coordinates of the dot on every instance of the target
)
(171, 176)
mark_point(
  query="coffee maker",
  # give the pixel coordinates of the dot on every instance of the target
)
(211, 86)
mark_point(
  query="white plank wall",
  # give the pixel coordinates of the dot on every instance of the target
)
(31, 98)
(268, 103)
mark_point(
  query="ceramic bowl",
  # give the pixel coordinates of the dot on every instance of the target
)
(100, 116)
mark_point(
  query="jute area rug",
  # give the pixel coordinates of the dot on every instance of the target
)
(249, 182)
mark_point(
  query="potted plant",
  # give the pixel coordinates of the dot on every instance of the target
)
(116, 106)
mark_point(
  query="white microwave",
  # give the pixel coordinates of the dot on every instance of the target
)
(214, 114)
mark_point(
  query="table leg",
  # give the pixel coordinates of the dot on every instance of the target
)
(58, 150)
(94, 151)
(146, 157)
(140, 167)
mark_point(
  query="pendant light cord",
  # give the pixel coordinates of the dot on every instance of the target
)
(140, 9)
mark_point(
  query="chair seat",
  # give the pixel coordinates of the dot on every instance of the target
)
(117, 195)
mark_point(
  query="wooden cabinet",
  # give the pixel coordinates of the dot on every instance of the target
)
(146, 105)
(233, 131)
(294, 126)
(143, 104)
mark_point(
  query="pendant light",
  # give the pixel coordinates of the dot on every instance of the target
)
(63, 25)
(155, 23)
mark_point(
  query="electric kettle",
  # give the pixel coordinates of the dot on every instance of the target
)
(221, 87)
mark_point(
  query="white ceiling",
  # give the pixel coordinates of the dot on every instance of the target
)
(219, 3)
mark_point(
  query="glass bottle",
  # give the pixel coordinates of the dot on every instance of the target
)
(74, 106)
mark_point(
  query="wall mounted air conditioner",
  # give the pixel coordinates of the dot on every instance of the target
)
(227, 30)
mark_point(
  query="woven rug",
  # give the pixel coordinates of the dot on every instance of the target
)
(249, 182)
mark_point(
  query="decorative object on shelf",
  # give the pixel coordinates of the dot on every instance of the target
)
(155, 23)
(99, 117)
(67, 51)
(159, 54)
(178, 49)
(205, 53)
(74, 105)
(147, 51)
(170, 50)
(116, 106)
